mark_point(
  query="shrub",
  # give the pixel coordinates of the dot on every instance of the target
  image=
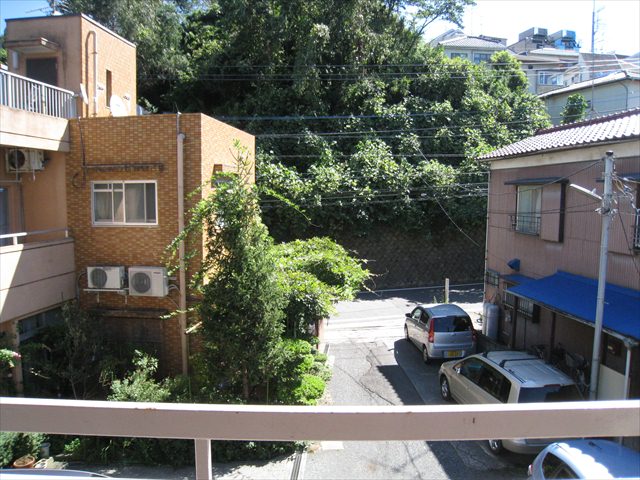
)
(310, 389)
(14, 445)
(328, 261)
(300, 377)
(308, 301)
(138, 386)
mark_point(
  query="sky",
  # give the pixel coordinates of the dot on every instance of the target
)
(618, 25)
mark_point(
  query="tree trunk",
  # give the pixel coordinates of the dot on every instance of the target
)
(245, 384)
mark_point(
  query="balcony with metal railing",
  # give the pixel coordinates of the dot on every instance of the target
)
(33, 114)
(23, 93)
(205, 422)
(528, 223)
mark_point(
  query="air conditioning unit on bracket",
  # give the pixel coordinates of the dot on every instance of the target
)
(105, 278)
(148, 282)
(22, 160)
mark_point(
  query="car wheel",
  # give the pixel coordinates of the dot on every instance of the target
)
(445, 391)
(425, 355)
(496, 446)
(406, 334)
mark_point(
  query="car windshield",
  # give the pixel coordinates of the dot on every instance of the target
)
(550, 393)
(452, 324)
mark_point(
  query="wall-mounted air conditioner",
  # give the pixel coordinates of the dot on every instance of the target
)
(24, 160)
(148, 281)
(106, 277)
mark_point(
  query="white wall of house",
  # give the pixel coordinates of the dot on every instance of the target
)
(605, 99)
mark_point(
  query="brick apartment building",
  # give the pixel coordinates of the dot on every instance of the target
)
(89, 189)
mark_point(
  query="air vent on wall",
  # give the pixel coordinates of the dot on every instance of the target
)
(24, 160)
(105, 278)
(148, 281)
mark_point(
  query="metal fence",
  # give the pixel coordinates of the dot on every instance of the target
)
(23, 93)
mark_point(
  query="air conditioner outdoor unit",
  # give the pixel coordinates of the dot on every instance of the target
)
(148, 281)
(24, 160)
(106, 277)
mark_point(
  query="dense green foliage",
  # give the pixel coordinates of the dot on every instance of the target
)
(575, 108)
(71, 358)
(349, 106)
(254, 295)
(15, 445)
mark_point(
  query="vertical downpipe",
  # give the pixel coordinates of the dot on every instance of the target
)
(95, 72)
(182, 316)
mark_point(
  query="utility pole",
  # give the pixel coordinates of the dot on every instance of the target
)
(606, 212)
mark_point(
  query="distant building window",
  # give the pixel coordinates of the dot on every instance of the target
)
(548, 78)
(481, 57)
(124, 203)
(459, 55)
(492, 277)
(528, 209)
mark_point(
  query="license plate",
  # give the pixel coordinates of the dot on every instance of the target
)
(453, 353)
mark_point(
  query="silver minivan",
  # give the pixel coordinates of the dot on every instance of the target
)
(440, 331)
(506, 376)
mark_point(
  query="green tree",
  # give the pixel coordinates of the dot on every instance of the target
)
(70, 357)
(242, 301)
(575, 109)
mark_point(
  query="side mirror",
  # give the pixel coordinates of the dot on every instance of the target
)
(408, 315)
(457, 368)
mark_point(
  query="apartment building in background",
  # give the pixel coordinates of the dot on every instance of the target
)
(91, 193)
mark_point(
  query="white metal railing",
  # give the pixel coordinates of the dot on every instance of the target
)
(26, 94)
(205, 422)
(14, 238)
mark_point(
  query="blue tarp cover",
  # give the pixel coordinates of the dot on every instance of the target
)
(576, 296)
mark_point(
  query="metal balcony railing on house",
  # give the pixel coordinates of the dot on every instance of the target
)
(204, 422)
(23, 93)
(526, 223)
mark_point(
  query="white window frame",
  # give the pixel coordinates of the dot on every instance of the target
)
(528, 220)
(103, 223)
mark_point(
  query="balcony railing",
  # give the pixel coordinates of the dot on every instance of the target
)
(204, 422)
(21, 237)
(25, 94)
(528, 223)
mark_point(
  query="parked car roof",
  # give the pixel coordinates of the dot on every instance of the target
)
(444, 310)
(597, 458)
(530, 370)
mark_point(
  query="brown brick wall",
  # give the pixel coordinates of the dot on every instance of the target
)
(121, 146)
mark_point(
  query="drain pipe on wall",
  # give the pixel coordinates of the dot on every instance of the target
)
(95, 72)
(182, 315)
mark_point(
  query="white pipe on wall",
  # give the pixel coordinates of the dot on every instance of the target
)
(182, 316)
(95, 72)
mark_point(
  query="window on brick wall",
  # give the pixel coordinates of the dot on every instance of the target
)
(124, 203)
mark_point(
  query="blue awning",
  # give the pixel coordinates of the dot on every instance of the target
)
(575, 296)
